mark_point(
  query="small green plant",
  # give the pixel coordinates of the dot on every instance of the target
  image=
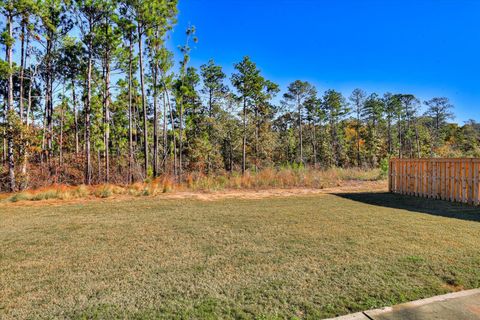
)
(148, 191)
(49, 194)
(82, 191)
(23, 196)
(104, 192)
(384, 168)
(414, 259)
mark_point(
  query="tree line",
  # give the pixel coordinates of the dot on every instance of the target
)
(94, 95)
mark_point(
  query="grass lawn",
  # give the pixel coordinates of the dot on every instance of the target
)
(298, 257)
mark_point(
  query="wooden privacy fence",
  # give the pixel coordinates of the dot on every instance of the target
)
(447, 179)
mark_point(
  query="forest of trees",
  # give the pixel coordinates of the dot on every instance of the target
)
(91, 93)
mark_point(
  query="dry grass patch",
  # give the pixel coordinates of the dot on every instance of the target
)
(265, 179)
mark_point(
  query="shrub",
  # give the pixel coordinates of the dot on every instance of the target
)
(82, 191)
(22, 196)
(384, 168)
(49, 194)
(104, 191)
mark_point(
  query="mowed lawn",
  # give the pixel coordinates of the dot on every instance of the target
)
(298, 257)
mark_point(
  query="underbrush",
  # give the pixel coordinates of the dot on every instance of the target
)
(264, 179)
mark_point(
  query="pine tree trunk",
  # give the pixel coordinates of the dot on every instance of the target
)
(400, 142)
(256, 138)
(155, 121)
(230, 155)
(209, 123)
(389, 135)
(165, 138)
(44, 133)
(107, 119)
(299, 105)
(75, 117)
(22, 69)
(417, 138)
(99, 166)
(174, 136)
(180, 142)
(10, 111)
(359, 161)
(244, 142)
(46, 120)
(314, 144)
(130, 114)
(88, 164)
(144, 103)
(60, 147)
(49, 100)
(4, 135)
(25, 118)
(407, 138)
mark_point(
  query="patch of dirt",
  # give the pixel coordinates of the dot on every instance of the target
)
(453, 288)
(351, 186)
(345, 186)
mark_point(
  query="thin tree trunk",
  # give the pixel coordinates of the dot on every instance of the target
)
(314, 144)
(173, 133)
(155, 121)
(209, 123)
(180, 141)
(9, 110)
(22, 67)
(4, 136)
(130, 114)
(107, 120)
(374, 144)
(335, 149)
(44, 134)
(99, 166)
(75, 117)
(230, 156)
(417, 139)
(107, 106)
(88, 164)
(322, 138)
(144, 104)
(408, 141)
(400, 146)
(61, 136)
(244, 142)
(299, 105)
(389, 134)
(26, 118)
(256, 139)
(49, 99)
(29, 95)
(359, 161)
(165, 139)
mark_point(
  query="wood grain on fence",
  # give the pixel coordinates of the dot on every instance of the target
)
(456, 180)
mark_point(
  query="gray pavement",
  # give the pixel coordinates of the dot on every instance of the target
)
(464, 305)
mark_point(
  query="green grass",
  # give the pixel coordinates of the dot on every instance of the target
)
(302, 257)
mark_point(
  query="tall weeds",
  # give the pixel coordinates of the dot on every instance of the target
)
(265, 179)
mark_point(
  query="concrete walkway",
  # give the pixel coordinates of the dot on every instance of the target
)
(464, 305)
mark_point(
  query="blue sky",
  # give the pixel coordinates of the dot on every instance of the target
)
(425, 47)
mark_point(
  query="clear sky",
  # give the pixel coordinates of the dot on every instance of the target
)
(425, 47)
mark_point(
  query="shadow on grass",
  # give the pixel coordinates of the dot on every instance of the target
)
(416, 204)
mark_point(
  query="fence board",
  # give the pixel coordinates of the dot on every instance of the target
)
(456, 180)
